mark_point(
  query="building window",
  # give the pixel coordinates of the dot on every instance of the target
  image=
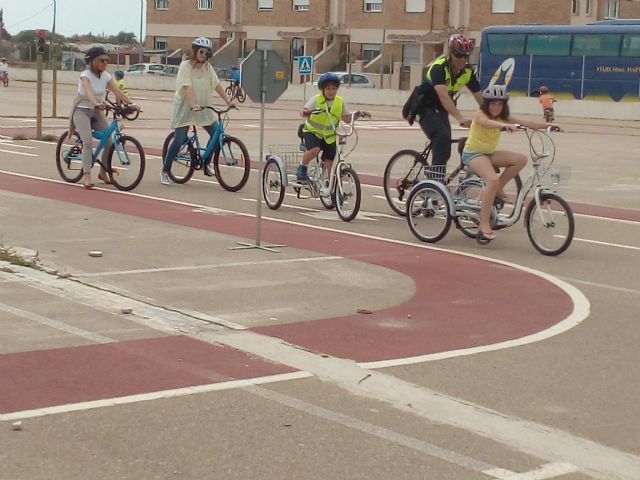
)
(503, 6)
(372, 5)
(265, 5)
(297, 47)
(575, 7)
(301, 5)
(160, 43)
(370, 51)
(415, 6)
(612, 9)
(587, 8)
(205, 4)
(162, 4)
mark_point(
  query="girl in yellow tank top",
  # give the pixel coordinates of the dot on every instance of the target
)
(481, 154)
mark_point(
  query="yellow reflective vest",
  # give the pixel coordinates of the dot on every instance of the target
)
(320, 124)
(463, 79)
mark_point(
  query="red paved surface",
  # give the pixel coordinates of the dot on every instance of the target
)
(70, 375)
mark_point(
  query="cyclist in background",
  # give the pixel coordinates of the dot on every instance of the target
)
(235, 76)
(318, 133)
(119, 74)
(547, 101)
(86, 112)
(195, 84)
(444, 79)
(4, 68)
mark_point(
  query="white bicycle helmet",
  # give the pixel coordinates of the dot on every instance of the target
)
(202, 42)
(496, 92)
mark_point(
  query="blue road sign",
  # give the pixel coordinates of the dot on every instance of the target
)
(305, 65)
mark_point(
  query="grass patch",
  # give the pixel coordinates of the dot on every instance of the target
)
(49, 138)
(20, 136)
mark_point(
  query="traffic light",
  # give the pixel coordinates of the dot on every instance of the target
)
(41, 40)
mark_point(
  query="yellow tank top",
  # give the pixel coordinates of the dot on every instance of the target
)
(481, 139)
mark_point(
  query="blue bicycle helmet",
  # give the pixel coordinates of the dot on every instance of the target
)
(328, 78)
(118, 74)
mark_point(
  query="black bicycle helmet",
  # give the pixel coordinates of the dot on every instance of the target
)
(94, 52)
(328, 78)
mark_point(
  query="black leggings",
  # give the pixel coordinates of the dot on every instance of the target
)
(435, 124)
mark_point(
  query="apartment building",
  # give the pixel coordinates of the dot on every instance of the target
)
(373, 36)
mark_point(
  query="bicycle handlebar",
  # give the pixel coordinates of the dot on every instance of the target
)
(218, 112)
(128, 112)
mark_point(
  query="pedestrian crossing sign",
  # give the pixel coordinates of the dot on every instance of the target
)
(305, 65)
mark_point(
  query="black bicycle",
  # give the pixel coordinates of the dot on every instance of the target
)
(408, 167)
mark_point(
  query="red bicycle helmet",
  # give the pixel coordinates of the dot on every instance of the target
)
(460, 45)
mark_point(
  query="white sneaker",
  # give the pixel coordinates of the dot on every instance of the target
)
(209, 171)
(164, 179)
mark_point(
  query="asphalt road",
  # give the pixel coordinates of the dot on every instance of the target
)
(475, 361)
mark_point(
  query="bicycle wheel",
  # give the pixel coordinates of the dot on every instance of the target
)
(550, 226)
(240, 95)
(348, 194)
(232, 164)
(126, 167)
(229, 92)
(428, 213)
(329, 201)
(468, 193)
(403, 171)
(184, 164)
(69, 157)
(272, 187)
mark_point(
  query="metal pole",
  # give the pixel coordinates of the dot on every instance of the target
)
(384, 37)
(263, 98)
(140, 60)
(39, 96)
(54, 64)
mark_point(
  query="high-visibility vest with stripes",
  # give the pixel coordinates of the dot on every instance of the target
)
(320, 124)
(461, 81)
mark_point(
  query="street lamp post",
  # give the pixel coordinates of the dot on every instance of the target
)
(140, 60)
(54, 64)
(384, 37)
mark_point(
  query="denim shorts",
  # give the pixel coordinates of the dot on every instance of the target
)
(468, 156)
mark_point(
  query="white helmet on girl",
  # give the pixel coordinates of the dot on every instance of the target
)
(496, 92)
(202, 42)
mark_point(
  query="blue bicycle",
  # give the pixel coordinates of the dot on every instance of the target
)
(124, 169)
(231, 162)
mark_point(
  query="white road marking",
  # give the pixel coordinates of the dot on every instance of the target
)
(210, 266)
(58, 325)
(24, 154)
(606, 244)
(606, 219)
(600, 285)
(17, 145)
(145, 397)
(550, 470)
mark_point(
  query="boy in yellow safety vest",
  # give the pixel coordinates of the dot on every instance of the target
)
(324, 112)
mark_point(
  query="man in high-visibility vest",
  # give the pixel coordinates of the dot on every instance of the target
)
(445, 78)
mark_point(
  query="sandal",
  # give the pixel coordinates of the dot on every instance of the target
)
(89, 185)
(105, 178)
(503, 197)
(485, 237)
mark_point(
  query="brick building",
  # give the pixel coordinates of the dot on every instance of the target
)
(370, 35)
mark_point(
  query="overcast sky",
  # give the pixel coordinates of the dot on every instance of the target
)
(73, 16)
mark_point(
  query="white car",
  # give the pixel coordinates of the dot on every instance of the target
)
(358, 80)
(145, 69)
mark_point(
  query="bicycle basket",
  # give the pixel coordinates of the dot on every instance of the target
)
(290, 154)
(556, 176)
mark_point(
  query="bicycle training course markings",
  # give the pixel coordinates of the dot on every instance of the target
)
(461, 302)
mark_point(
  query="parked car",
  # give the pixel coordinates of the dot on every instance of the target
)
(358, 80)
(145, 69)
(170, 71)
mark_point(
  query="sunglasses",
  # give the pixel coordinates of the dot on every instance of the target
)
(461, 55)
(205, 51)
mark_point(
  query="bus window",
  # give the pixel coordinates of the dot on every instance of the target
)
(593, 45)
(558, 45)
(507, 44)
(631, 46)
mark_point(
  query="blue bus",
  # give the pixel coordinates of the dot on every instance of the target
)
(597, 61)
